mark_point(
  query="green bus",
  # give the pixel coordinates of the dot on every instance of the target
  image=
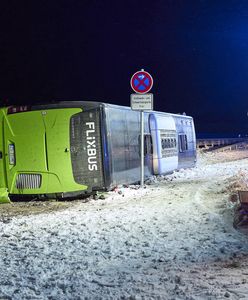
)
(71, 148)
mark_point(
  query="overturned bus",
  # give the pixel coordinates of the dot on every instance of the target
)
(76, 147)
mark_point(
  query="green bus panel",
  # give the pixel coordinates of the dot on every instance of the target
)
(40, 141)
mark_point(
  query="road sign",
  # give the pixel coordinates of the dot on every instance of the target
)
(142, 102)
(141, 82)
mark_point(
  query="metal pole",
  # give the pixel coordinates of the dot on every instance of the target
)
(141, 148)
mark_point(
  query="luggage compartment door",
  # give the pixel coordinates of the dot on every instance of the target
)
(164, 141)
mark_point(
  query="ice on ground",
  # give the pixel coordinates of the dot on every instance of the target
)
(172, 240)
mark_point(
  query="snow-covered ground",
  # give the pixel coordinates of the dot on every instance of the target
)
(172, 240)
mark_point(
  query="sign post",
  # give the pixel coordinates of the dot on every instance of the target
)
(141, 148)
(141, 82)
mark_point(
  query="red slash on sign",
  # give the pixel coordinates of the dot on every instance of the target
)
(141, 82)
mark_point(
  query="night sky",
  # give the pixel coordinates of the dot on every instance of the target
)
(196, 51)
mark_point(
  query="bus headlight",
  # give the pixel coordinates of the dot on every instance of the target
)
(12, 159)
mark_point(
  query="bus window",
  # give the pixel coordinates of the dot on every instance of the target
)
(147, 144)
(183, 143)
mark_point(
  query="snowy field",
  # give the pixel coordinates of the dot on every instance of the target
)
(172, 240)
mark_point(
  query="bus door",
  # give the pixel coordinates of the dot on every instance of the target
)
(148, 150)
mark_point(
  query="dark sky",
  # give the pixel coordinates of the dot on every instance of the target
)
(196, 51)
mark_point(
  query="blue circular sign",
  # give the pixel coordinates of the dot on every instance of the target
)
(141, 82)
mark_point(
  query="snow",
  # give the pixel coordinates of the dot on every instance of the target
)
(173, 239)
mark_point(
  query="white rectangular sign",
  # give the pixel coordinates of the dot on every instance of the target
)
(142, 102)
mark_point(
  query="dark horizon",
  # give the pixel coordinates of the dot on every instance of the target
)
(197, 53)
